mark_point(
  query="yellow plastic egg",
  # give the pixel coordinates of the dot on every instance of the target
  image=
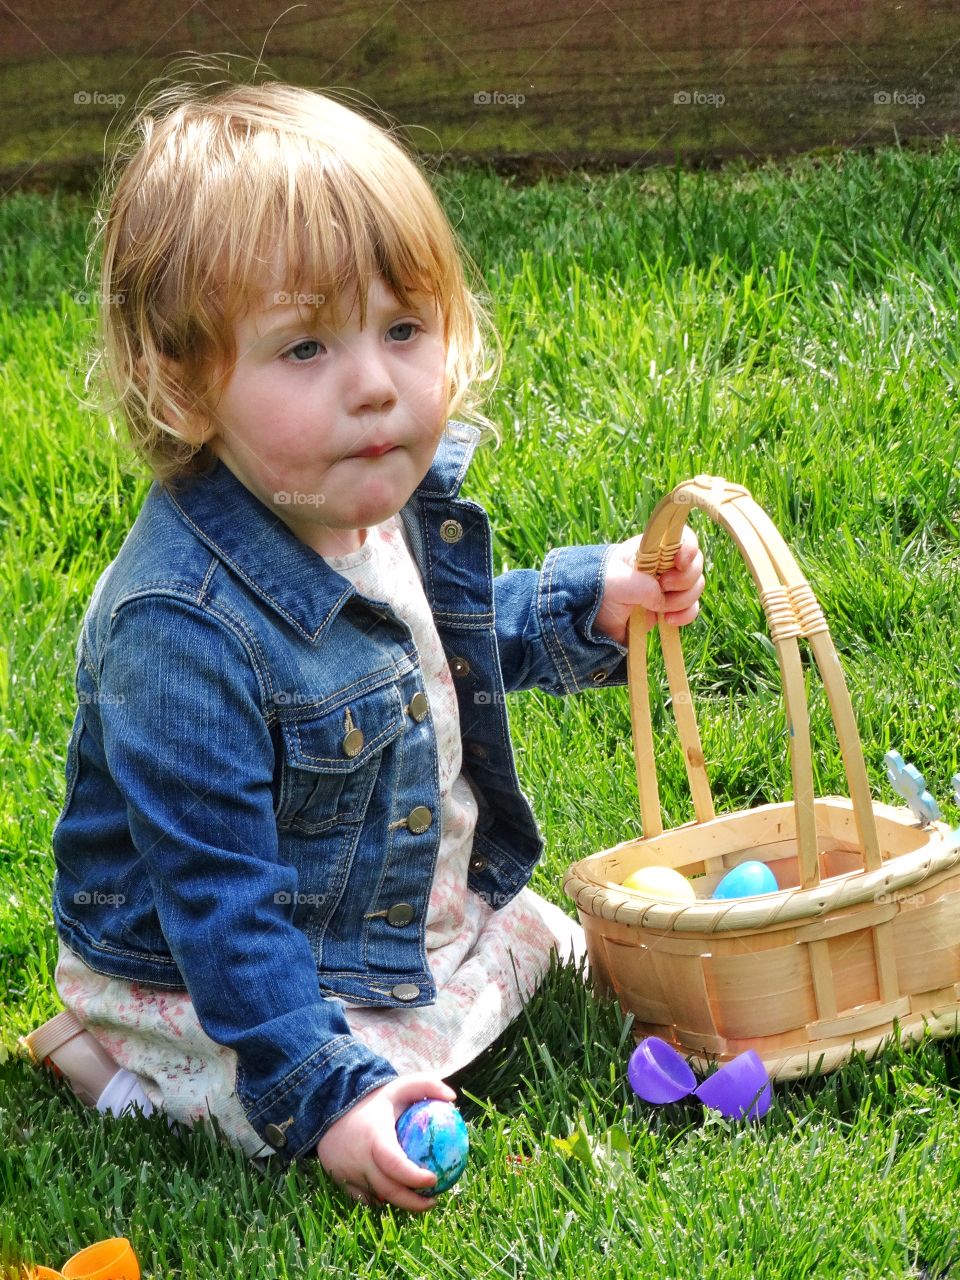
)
(661, 882)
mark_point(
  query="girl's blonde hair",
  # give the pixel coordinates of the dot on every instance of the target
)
(203, 191)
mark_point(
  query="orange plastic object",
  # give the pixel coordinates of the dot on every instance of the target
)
(108, 1260)
(112, 1259)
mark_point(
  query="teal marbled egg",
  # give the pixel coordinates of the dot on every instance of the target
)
(434, 1136)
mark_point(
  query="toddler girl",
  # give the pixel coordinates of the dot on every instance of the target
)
(292, 858)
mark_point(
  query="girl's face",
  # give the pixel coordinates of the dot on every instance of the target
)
(302, 404)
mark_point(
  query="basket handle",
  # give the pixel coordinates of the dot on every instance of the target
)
(792, 611)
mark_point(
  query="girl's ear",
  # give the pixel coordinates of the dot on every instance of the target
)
(183, 412)
(189, 421)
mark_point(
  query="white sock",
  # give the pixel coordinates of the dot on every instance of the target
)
(123, 1093)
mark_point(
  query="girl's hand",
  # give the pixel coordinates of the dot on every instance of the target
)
(675, 594)
(361, 1152)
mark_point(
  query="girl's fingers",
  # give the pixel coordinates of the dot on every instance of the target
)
(688, 551)
(404, 1197)
(380, 1190)
(392, 1162)
(677, 601)
(684, 617)
(683, 571)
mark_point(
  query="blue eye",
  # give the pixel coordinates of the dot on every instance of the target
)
(405, 324)
(307, 342)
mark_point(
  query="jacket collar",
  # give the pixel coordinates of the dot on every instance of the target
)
(257, 546)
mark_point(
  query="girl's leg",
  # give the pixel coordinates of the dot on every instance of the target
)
(156, 1038)
(569, 938)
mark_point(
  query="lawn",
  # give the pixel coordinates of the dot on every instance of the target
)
(792, 328)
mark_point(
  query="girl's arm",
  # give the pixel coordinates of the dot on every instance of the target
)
(187, 743)
(675, 594)
(563, 629)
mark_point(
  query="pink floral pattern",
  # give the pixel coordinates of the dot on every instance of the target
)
(485, 963)
(157, 1035)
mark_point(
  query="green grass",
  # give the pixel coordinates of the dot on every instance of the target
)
(792, 328)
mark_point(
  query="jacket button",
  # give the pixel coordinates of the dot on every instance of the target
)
(460, 666)
(419, 706)
(400, 913)
(451, 531)
(600, 676)
(478, 863)
(275, 1136)
(405, 991)
(419, 819)
(353, 743)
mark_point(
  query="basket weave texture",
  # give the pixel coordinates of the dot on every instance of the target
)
(863, 933)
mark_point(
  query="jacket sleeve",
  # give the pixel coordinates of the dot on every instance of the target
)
(544, 624)
(191, 751)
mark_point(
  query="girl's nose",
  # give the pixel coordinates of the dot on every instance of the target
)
(369, 382)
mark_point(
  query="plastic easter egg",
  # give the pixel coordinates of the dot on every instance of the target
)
(747, 880)
(662, 883)
(740, 1088)
(657, 1073)
(434, 1136)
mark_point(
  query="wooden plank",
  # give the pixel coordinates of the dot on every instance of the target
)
(927, 943)
(939, 999)
(760, 995)
(875, 1014)
(854, 965)
(821, 975)
(692, 844)
(700, 1040)
(883, 945)
(531, 87)
(856, 918)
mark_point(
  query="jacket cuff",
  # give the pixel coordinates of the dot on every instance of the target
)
(571, 588)
(294, 1116)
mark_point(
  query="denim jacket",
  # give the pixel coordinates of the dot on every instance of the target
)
(251, 810)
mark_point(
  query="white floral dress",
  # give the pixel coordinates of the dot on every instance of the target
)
(485, 963)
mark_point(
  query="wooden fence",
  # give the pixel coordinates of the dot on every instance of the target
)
(527, 86)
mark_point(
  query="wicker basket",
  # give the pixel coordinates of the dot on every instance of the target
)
(865, 926)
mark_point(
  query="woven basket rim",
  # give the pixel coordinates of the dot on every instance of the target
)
(600, 897)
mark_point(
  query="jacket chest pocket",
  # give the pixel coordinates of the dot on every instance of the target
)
(331, 760)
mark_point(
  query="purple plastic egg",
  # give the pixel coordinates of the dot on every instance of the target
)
(657, 1073)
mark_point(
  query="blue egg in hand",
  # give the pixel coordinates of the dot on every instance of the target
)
(746, 880)
(434, 1136)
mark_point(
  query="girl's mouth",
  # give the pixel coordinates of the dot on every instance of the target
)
(375, 451)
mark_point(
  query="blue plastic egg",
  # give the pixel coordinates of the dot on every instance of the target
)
(747, 880)
(434, 1136)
